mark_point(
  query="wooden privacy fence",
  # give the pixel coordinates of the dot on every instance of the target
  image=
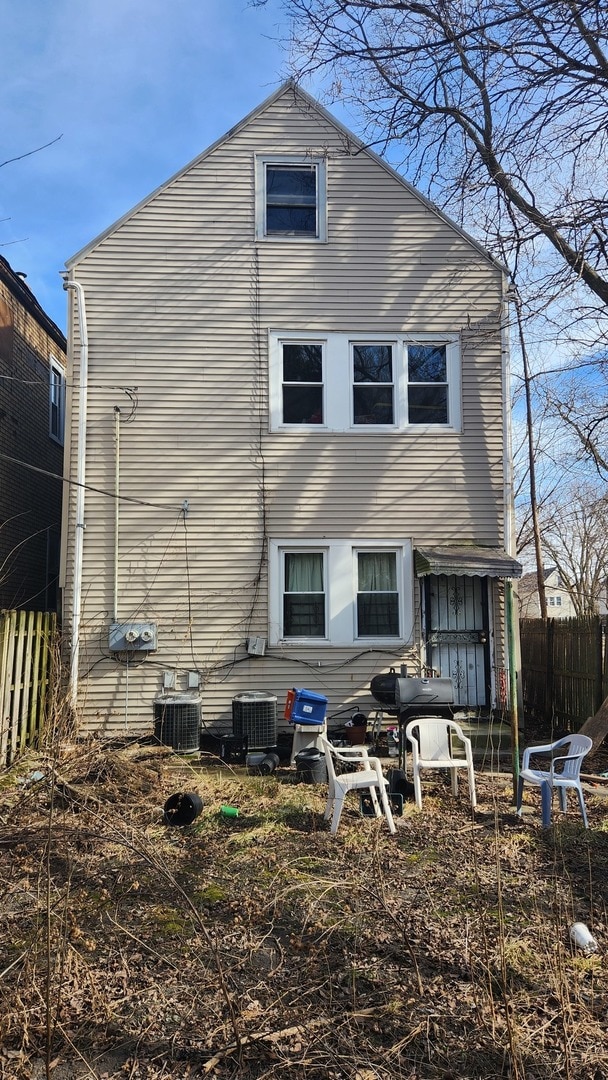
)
(564, 669)
(27, 640)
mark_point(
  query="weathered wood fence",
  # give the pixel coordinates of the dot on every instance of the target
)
(27, 649)
(564, 669)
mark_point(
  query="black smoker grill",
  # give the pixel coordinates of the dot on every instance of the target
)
(409, 697)
(414, 694)
(418, 696)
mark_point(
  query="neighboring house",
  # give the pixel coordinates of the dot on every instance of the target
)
(32, 406)
(559, 601)
(295, 379)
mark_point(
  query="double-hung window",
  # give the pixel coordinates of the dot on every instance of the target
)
(427, 371)
(375, 384)
(339, 592)
(304, 577)
(290, 198)
(56, 400)
(377, 594)
(302, 382)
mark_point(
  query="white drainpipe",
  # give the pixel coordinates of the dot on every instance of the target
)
(80, 488)
(508, 487)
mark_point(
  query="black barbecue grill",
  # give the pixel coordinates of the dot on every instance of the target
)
(407, 697)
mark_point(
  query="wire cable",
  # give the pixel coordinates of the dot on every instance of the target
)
(87, 487)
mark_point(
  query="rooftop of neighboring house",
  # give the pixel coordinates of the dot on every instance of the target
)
(15, 282)
(529, 582)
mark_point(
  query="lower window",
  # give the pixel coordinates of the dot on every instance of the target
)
(340, 592)
(304, 594)
(377, 594)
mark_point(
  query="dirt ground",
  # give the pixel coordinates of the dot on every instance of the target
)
(257, 944)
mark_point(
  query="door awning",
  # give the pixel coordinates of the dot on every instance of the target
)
(468, 560)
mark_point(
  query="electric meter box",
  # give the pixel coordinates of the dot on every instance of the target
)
(133, 637)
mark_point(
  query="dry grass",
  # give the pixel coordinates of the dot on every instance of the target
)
(247, 946)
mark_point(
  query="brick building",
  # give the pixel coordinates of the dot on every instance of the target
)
(32, 393)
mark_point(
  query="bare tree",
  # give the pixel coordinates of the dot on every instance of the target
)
(575, 538)
(583, 411)
(502, 100)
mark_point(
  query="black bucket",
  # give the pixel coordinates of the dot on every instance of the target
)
(182, 809)
(310, 766)
(269, 763)
(399, 788)
(233, 748)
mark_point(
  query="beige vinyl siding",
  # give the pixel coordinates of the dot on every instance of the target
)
(180, 300)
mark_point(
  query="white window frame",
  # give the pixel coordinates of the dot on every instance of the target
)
(393, 383)
(341, 586)
(299, 549)
(338, 380)
(277, 381)
(56, 400)
(319, 163)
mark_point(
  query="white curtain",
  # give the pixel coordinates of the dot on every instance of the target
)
(377, 571)
(304, 572)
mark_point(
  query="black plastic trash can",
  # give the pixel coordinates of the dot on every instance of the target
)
(310, 766)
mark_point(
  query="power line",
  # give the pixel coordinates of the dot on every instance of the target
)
(87, 487)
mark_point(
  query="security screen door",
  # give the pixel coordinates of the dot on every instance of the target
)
(456, 634)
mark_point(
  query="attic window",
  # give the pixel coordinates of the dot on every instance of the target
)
(290, 199)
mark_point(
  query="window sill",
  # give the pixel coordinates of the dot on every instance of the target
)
(321, 643)
(367, 429)
(291, 239)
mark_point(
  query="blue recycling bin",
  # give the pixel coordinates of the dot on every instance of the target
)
(308, 707)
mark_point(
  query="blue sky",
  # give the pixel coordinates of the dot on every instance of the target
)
(136, 89)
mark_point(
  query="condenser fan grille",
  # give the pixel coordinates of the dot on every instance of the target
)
(177, 723)
(255, 715)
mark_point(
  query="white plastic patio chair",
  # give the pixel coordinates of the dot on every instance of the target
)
(563, 773)
(430, 739)
(369, 776)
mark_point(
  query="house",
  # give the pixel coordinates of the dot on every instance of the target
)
(32, 391)
(560, 604)
(294, 469)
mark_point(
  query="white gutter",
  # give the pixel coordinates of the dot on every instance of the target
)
(80, 485)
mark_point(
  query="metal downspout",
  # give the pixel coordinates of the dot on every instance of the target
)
(80, 485)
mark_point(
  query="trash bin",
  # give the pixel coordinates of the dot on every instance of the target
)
(310, 766)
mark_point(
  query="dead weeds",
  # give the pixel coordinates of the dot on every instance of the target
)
(247, 945)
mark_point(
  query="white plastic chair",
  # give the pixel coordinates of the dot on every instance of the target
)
(563, 773)
(430, 738)
(370, 776)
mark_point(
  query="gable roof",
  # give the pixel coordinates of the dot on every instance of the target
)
(22, 292)
(289, 86)
(529, 582)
